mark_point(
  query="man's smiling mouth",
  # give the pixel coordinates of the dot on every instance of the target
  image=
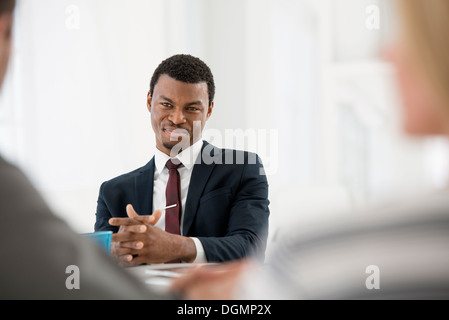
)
(176, 133)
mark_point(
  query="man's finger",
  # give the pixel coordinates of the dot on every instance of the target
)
(136, 261)
(125, 260)
(151, 220)
(131, 212)
(124, 236)
(137, 245)
(130, 260)
(135, 228)
(125, 221)
(117, 222)
(156, 216)
(121, 251)
(147, 219)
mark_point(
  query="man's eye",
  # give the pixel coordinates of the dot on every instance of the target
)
(192, 109)
(168, 105)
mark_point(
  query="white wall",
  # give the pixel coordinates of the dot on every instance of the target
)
(302, 78)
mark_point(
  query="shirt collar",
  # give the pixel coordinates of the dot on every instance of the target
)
(187, 156)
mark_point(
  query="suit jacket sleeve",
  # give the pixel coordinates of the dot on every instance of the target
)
(120, 191)
(103, 214)
(247, 228)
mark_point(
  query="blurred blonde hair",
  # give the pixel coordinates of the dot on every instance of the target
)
(425, 30)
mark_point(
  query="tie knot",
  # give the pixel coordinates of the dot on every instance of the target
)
(173, 164)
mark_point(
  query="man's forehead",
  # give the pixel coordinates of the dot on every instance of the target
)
(171, 88)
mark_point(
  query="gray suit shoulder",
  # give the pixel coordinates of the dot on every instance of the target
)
(37, 247)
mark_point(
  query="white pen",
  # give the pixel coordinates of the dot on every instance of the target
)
(169, 207)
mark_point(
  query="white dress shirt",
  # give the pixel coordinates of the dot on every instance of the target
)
(187, 158)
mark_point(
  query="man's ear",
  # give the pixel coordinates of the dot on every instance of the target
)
(209, 111)
(149, 99)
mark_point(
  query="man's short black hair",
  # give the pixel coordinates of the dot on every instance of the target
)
(185, 68)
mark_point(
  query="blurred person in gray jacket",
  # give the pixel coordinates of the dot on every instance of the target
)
(40, 254)
(395, 252)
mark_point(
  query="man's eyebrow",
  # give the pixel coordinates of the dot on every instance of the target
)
(193, 103)
(167, 99)
(199, 103)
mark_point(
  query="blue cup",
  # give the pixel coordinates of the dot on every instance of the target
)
(101, 238)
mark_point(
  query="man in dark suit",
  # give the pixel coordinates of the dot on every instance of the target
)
(221, 202)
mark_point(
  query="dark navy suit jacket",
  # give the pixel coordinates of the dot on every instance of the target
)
(226, 206)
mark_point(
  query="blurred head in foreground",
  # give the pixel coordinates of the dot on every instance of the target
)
(6, 10)
(421, 57)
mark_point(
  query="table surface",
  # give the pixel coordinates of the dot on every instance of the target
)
(160, 276)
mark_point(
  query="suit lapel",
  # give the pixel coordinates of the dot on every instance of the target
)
(143, 189)
(198, 180)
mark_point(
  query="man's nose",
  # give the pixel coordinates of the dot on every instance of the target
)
(177, 116)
